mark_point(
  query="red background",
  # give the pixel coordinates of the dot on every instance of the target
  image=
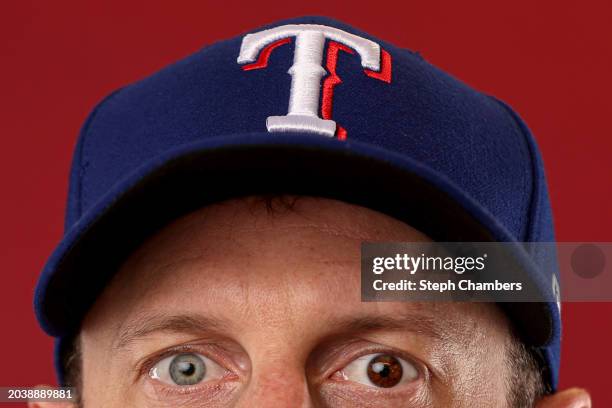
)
(551, 60)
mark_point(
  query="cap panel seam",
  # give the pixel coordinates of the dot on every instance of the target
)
(532, 233)
(83, 162)
(532, 204)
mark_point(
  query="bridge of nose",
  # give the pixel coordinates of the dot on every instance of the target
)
(277, 383)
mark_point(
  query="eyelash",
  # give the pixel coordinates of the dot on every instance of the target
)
(151, 361)
(421, 368)
(423, 372)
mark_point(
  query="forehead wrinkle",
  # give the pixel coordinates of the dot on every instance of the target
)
(235, 236)
(236, 216)
(235, 222)
(325, 228)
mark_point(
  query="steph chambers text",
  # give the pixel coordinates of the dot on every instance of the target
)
(425, 285)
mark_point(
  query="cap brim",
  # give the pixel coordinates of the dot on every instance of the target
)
(198, 174)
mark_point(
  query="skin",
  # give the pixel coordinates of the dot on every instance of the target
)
(273, 302)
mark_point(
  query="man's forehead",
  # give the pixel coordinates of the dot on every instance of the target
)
(231, 262)
(321, 307)
(241, 231)
(255, 214)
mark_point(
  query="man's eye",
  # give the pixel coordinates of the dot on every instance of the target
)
(186, 369)
(379, 370)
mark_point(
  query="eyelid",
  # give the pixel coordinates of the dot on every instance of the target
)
(205, 349)
(212, 370)
(365, 360)
(348, 356)
(163, 389)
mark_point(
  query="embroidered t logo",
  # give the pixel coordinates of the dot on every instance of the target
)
(307, 71)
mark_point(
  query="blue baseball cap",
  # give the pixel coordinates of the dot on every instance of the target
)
(306, 106)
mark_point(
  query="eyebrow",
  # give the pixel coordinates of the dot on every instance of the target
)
(413, 322)
(197, 324)
(182, 323)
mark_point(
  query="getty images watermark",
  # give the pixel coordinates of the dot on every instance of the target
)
(486, 271)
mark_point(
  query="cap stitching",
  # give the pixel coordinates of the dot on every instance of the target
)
(532, 206)
(82, 154)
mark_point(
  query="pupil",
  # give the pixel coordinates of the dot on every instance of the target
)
(381, 369)
(385, 371)
(187, 369)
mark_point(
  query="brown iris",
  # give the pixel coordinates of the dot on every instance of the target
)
(385, 371)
